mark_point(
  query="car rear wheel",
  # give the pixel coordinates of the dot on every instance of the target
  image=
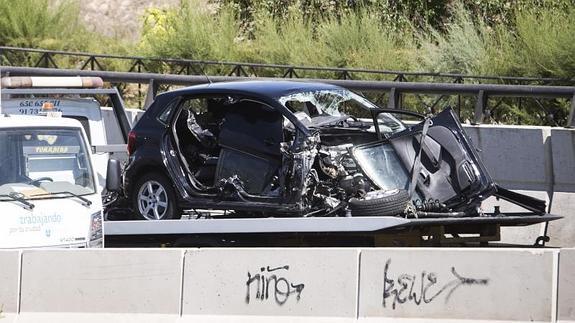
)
(154, 198)
(380, 203)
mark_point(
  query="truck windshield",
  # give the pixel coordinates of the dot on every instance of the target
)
(42, 163)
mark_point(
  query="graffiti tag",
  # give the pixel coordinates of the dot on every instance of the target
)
(270, 279)
(421, 288)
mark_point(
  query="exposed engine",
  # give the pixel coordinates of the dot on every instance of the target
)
(335, 178)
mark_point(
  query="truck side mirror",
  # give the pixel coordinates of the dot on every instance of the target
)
(113, 175)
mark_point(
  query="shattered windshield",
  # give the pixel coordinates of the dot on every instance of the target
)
(43, 163)
(322, 104)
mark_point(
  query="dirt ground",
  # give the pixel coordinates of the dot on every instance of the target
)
(121, 18)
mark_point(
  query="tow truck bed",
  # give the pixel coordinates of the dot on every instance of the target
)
(168, 232)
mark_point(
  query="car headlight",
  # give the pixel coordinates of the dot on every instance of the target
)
(96, 226)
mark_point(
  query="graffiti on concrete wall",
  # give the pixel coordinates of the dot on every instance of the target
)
(270, 283)
(423, 287)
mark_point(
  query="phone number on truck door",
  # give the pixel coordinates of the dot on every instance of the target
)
(33, 111)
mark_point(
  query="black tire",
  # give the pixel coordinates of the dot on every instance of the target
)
(164, 202)
(391, 203)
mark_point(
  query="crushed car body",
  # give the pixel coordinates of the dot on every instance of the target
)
(294, 149)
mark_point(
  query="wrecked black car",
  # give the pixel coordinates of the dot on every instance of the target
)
(277, 148)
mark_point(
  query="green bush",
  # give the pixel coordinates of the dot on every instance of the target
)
(189, 31)
(462, 48)
(545, 43)
(540, 43)
(34, 23)
(359, 40)
(491, 37)
(53, 25)
(290, 42)
(354, 38)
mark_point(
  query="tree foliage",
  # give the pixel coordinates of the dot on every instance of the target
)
(34, 23)
(482, 37)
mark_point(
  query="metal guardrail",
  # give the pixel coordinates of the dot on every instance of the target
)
(482, 92)
(89, 61)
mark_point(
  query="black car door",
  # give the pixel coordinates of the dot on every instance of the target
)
(450, 169)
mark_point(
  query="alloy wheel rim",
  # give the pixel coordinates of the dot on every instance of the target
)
(152, 200)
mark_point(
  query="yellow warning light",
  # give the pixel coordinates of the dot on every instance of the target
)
(47, 106)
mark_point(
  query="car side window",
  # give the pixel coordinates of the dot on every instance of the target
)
(196, 105)
(164, 117)
(253, 127)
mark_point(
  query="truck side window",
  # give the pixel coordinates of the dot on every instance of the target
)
(85, 124)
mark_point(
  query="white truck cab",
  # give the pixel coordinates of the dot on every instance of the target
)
(86, 110)
(49, 195)
(74, 98)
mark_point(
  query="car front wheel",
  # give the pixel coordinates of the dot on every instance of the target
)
(154, 198)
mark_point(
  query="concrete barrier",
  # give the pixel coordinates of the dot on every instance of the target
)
(523, 235)
(507, 153)
(101, 285)
(291, 285)
(537, 161)
(288, 285)
(563, 201)
(562, 232)
(9, 284)
(563, 146)
(515, 155)
(566, 282)
(457, 284)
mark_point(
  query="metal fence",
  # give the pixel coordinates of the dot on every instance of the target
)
(30, 57)
(394, 91)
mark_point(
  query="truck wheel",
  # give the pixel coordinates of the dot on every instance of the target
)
(154, 198)
(380, 203)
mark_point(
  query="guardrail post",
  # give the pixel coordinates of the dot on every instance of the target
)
(93, 63)
(290, 73)
(571, 120)
(151, 93)
(458, 80)
(480, 105)
(238, 71)
(345, 75)
(394, 99)
(399, 78)
(120, 112)
(43, 61)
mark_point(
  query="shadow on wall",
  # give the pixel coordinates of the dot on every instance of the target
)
(563, 200)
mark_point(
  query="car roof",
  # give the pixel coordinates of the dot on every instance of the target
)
(18, 121)
(270, 89)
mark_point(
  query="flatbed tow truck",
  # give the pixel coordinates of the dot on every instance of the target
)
(213, 228)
